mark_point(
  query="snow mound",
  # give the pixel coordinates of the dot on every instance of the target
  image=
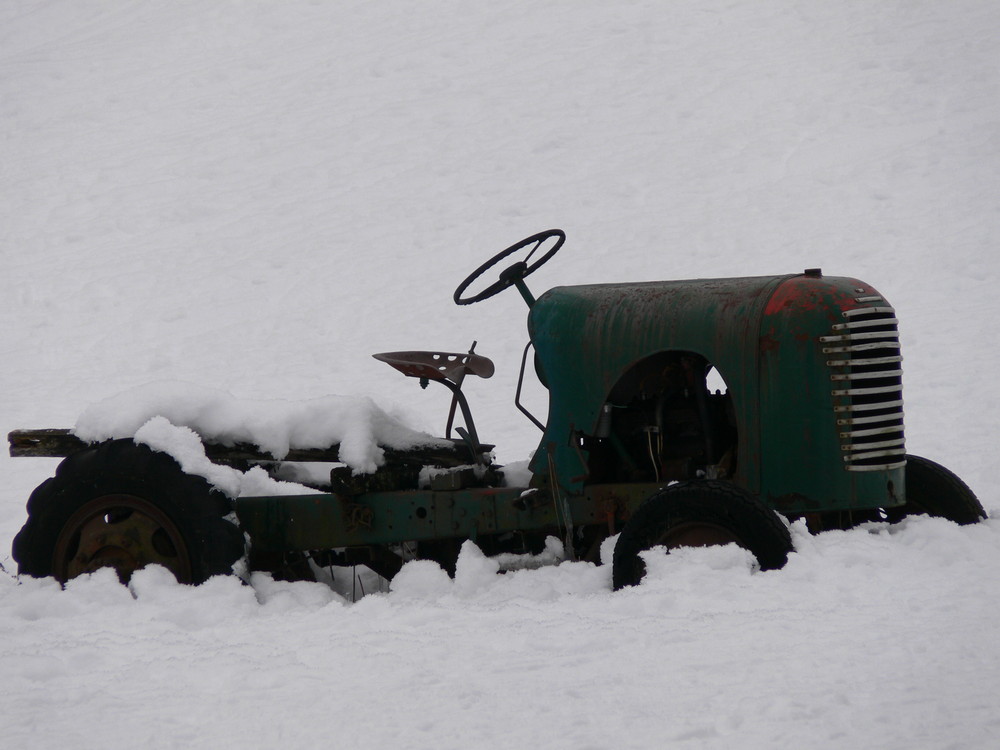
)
(184, 445)
(421, 579)
(360, 427)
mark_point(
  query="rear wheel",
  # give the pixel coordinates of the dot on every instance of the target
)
(123, 506)
(699, 514)
(933, 490)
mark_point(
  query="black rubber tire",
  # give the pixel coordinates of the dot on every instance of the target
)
(720, 509)
(183, 514)
(933, 490)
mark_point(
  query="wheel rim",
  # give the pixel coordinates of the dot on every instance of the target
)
(697, 534)
(123, 532)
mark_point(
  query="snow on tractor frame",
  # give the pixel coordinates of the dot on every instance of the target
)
(810, 425)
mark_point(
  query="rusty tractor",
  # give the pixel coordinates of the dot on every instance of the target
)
(680, 413)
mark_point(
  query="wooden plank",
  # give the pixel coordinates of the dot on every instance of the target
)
(44, 443)
(59, 443)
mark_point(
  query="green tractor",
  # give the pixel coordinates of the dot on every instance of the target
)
(681, 413)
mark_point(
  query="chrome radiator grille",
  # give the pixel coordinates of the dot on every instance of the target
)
(866, 371)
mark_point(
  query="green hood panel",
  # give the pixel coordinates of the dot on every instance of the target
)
(761, 334)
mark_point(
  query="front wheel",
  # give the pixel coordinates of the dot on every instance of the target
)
(933, 490)
(699, 514)
(123, 506)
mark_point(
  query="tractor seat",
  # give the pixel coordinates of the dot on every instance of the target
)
(438, 365)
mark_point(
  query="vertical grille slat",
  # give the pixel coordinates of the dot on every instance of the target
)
(866, 377)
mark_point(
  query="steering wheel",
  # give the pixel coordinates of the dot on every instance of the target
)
(513, 273)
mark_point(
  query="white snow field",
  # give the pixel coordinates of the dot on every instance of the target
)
(250, 198)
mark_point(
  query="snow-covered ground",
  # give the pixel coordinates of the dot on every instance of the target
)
(254, 197)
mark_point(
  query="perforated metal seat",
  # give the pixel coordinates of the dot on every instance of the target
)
(438, 365)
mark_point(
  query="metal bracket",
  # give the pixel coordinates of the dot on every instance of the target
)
(517, 393)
